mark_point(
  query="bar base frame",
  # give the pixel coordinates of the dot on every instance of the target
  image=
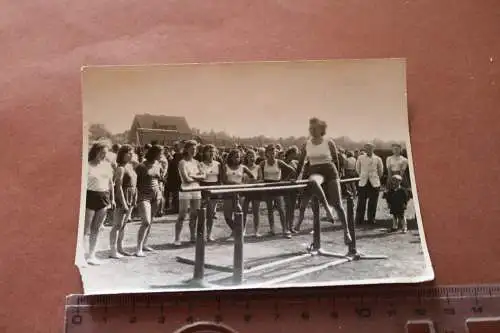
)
(356, 256)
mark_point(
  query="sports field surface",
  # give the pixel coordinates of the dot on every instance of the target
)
(160, 269)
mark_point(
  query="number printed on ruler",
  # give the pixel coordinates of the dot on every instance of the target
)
(440, 310)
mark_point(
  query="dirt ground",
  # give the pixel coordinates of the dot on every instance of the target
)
(160, 269)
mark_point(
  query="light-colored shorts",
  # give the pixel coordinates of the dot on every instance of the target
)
(195, 195)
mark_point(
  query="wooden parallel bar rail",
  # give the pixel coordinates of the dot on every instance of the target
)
(256, 185)
(258, 189)
(238, 186)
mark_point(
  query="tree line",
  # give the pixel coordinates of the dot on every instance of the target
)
(221, 138)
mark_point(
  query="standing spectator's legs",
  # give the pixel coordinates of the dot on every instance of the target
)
(373, 194)
(290, 202)
(95, 227)
(352, 186)
(175, 202)
(403, 223)
(270, 214)
(228, 212)
(245, 207)
(183, 212)
(108, 221)
(167, 201)
(361, 208)
(256, 217)
(305, 198)
(395, 223)
(194, 205)
(279, 203)
(210, 205)
(161, 204)
(147, 209)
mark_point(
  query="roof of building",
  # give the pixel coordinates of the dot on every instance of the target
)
(152, 121)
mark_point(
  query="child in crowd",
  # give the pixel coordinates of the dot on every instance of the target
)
(397, 198)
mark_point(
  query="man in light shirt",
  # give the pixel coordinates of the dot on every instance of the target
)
(370, 169)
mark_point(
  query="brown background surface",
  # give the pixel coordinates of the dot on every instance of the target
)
(453, 91)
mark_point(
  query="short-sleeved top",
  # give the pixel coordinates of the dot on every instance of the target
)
(212, 171)
(235, 175)
(192, 167)
(148, 177)
(99, 176)
(396, 163)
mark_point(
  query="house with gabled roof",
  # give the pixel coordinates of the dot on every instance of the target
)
(147, 128)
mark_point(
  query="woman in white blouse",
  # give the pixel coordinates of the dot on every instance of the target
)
(191, 173)
(396, 164)
(100, 196)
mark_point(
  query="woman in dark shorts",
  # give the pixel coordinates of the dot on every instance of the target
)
(100, 196)
(254, 198)
(232, 174)
(323, 157)
(213, 173)
(149, 195)
(271, 170)
(173, 184)
(126, 199)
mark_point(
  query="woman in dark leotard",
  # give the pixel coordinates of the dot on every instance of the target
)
(126, 199)
(149, 195)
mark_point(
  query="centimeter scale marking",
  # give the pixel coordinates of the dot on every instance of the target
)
(474, 309)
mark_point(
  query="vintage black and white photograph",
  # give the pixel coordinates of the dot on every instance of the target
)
(248, 175)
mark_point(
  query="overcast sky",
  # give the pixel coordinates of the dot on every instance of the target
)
(362, 99)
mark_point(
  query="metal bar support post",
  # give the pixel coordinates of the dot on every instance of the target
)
(351, 223)
(199, 267)
(238, 233)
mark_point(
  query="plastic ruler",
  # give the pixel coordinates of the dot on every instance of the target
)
(474, 309)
